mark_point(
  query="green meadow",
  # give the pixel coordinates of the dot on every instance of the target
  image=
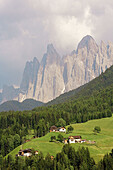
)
(103, 145)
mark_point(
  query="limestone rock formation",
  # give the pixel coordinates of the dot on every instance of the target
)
(9, 93)
(48, 81)
(54, 75)
(29, 80)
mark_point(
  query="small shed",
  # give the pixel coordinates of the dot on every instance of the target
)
(65, 141)
(36, 152)
(52, 157)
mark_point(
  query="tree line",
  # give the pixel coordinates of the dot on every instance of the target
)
(67, 159)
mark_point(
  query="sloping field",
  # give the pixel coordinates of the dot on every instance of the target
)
(103, 145)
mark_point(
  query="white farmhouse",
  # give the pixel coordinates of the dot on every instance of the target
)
(62, 129)
(71, 139)
(25, 152)
(74, 139)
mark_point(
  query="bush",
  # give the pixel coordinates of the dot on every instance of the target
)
(60, 138)
(70, 129)
(97, 129)
(53, 138)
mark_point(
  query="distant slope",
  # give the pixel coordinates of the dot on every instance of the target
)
(98, 84)
(27, 104)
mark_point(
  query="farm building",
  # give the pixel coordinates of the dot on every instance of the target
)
(26, 152)
(52, 157)
(65, 141)
(74, 139)
(62, 129)
(53, 128)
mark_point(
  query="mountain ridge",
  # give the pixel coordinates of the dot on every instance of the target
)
(55, 75)
(104, 81)
(27, 104)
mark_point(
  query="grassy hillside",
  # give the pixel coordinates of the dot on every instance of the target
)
(105, 80)
(27, 104)
(104, 140)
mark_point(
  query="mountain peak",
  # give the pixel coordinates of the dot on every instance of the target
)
(35, 60)
(88, 42)
(50, 48)
(51, 55)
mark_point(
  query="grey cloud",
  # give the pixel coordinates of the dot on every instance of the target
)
(27, 26)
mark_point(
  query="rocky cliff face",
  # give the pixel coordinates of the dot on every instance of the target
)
(29, 80)
(47, 82)
(9, 93)
(55, 75)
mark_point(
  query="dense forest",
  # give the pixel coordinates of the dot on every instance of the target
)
(67, 159)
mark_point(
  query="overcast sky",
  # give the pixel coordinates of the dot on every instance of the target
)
(27, 26)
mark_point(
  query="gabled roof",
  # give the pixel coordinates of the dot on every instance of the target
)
(25, 150)
(61, 128)
(75, 137)
(53, 127)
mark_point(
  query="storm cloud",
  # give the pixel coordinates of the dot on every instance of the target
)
(27, 26)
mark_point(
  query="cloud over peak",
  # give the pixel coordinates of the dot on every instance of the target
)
(27, 26)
